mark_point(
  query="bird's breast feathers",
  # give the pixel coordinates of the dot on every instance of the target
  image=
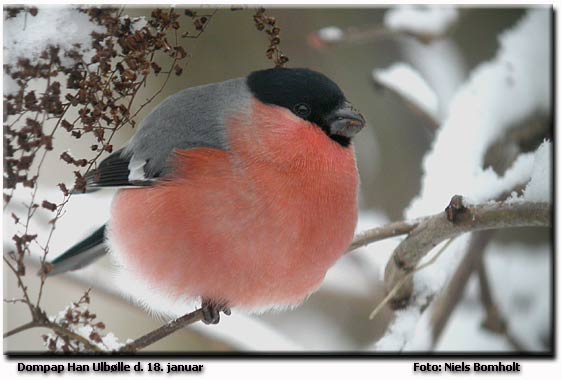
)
(257, 225)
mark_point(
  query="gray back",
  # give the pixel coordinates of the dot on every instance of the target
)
(192, 118)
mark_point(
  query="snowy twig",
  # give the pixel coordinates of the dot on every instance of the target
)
(498, 96)
(500, 155)
(458, 219)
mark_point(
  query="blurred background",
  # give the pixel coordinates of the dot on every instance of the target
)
(389, 152)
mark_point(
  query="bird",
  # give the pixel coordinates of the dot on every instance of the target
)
(240, 194)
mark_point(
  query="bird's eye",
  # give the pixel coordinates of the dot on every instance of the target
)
(301, 109)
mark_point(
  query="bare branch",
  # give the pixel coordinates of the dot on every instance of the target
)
(445, 305)
(164, 331)
(357, 36)
(493, 321)
(335, 36)
(25, 326)
(384, 232)
(58, 329)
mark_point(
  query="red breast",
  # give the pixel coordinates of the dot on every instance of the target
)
(256, 226)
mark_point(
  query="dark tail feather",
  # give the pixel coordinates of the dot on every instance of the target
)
(80, 254)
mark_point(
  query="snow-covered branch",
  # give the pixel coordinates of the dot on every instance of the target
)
(498, 96)
(458, 219)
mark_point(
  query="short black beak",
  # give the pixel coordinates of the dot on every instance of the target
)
(346, 121)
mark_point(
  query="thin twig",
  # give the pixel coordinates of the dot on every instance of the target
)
(58, 329)
(445, 305)
(25, 326)
(369, 34)
(493, 321)
(199, 32)
(21, 285)
(164, 331)
(350, 36)
(406, 278)
(384, 232)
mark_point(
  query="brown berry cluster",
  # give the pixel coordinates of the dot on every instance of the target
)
(269, 25)
(100, 90)
(83, 90)
(77, 319)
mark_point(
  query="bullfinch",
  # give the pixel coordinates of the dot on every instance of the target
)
(235, 194)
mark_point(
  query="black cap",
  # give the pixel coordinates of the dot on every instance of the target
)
(308, 94)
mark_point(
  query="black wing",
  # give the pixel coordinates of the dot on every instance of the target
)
(112, 172)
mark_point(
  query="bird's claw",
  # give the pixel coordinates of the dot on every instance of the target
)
(211, 311)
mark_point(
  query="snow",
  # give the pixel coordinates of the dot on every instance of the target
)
(28, 36)
(407, 82)
(137, 23)
(421, 20)
(521, 285)
(520, 279)
(108, 342)
(465, 333)
(410, 329)
(400, 331)
(431, 279)
(520, 282)
(440, 63)
(111, 342)
(539, 189)
(497, 95)
(83, 330)
(330, 34)
(9, 85)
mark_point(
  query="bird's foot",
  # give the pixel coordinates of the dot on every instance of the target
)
(211, 311)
